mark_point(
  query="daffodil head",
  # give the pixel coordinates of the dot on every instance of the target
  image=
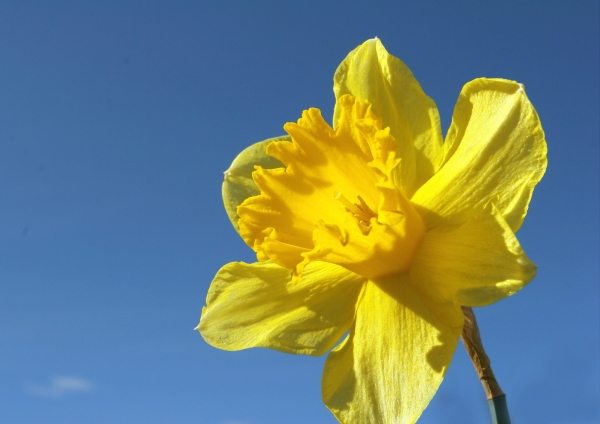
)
(335, 200)
(376, 226)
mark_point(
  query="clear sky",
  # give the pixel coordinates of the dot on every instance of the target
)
(117, 120)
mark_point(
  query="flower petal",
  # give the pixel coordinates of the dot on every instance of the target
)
(391, 364)
(496, 151)
(475, 264)
(256, 305)
(238, 184)
(370, 73)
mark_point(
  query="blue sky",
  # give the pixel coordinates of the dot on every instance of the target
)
(117, 120)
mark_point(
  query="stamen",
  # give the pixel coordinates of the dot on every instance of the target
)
(365, 208)
(337, 195)
(362, 211)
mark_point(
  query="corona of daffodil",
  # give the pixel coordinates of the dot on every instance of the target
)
(379, 228)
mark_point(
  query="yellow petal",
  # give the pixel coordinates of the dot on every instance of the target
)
(395, 357)
(475, 264)
(238, 184)
(256, 305)
(370, 73)
(496, 151)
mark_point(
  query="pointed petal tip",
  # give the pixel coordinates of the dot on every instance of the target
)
(370, 45)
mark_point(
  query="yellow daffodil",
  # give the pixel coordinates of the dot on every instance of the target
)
(378, 228)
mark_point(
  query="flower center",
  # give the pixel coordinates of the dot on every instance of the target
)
(296, 220)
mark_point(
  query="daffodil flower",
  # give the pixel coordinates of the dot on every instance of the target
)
(378, 228)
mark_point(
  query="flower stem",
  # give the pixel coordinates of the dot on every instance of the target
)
(472, 341)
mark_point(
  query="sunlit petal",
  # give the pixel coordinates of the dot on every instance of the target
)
(257, 305)
(496, 151)
(395, 357)
(475, 264)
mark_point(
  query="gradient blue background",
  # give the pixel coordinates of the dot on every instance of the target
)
(117, 120)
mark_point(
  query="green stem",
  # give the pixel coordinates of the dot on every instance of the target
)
(499, 410)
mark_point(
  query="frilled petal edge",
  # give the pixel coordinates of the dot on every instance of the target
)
(495, 151)
(257, 305)
(475, 264)
(395, 357)
(238, 184)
